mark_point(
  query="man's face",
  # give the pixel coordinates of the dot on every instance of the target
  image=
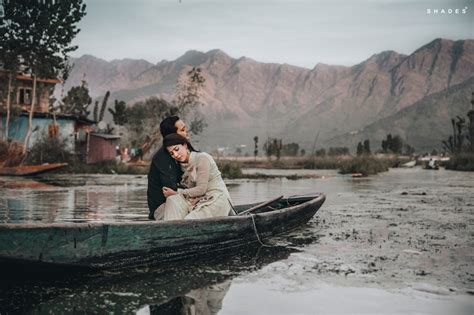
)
(181, 129)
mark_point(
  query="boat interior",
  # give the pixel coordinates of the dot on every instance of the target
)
(274, 204)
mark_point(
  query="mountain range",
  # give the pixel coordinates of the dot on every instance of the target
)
(413, 95)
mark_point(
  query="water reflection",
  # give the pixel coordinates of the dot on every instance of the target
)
(197, 287)
(59, 199)
(203, 301)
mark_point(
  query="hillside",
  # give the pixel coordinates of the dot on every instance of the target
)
(294, 103)
(423, 125)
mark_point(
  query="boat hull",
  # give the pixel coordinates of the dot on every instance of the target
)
(119, 245)
(29, 170)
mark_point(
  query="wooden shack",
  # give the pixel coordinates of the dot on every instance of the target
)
(102, 147)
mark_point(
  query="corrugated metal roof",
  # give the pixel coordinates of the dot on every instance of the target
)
(27, 77)
(105, 136)
(83, 120)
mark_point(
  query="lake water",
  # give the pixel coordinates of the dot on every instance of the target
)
(398, 242)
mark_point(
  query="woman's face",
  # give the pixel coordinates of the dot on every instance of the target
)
(179, 152)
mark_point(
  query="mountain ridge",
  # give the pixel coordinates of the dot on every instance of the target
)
(290, 102)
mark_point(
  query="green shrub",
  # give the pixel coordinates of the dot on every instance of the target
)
(365, 166)
(230, 170)
(461, 162)
(320, 163)
(106, 167)
(131, 170)
(49, 150)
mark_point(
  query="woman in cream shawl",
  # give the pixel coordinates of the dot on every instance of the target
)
(205, 194)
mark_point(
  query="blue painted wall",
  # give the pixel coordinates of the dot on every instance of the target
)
(19, 127)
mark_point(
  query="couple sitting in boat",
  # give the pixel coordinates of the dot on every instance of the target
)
(202, 192)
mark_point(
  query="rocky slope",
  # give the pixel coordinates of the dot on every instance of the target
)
(423, 125)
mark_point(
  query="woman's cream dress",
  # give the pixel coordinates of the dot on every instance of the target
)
(206, 196)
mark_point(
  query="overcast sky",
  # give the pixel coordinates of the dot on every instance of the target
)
(297, 32)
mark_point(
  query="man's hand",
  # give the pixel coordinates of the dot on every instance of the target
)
(151, 215)
(168, 192)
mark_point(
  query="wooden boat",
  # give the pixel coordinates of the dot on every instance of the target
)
(28, 170)
(117, 245)
(409, 164)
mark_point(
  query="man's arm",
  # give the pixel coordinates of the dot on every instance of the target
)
(155, 195)
(163, 172)
(170, 171)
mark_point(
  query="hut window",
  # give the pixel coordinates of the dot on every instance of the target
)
(53, 130)
(24, 96)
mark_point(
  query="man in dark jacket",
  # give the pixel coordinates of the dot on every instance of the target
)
(164, 170)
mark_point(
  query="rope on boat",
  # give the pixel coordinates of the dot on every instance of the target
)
(255, 229)
(232, 207)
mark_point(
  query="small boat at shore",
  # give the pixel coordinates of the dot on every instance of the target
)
(118, 245)
(409, 164)
(28, 170)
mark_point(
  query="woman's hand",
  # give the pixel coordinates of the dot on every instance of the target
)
(168, 192)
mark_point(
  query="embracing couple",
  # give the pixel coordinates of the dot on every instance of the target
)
(184, 183)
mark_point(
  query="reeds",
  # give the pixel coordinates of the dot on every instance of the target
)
(366, 165)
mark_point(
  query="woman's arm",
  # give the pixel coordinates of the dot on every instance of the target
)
(202, 178)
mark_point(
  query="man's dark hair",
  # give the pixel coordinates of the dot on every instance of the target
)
(167, 125)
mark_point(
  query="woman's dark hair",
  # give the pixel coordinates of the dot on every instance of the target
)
(167, 125)
(174, 139)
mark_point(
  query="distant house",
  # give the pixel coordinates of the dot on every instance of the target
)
(77, 132)
(74, 130)
(24, 91)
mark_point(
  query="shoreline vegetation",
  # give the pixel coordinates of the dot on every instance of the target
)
(51, 150)
(355, 166)
(231, 167)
